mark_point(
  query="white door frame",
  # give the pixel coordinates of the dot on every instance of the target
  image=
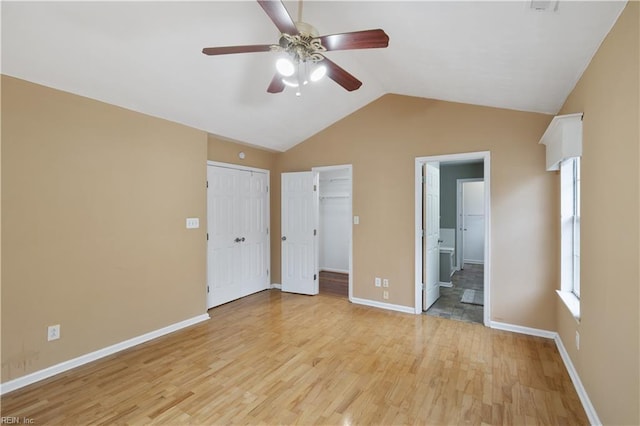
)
(268, 211)
(485, 156)
(349, 167)
(459, 243)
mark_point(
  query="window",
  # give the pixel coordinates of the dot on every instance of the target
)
(570, 233)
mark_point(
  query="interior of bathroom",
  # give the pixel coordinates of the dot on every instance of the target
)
(462, 242)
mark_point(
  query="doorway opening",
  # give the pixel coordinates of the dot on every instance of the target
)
(453, 236)
(317, 231)
(334, 230)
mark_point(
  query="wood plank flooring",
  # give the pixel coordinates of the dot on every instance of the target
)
(278, 358)
(334, 284)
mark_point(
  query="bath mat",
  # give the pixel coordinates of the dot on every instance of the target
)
(473, 297)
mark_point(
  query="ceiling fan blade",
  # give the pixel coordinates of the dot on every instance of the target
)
(277, 85)
(340, 76)
(225, 50)
(278, 13)
(367, 39)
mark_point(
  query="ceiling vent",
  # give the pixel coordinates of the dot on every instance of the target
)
(544, 5)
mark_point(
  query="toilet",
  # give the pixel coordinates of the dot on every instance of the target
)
(447, 252)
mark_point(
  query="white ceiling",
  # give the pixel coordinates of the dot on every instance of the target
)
(146, 56)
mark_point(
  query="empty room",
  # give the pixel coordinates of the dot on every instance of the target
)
(320, 212)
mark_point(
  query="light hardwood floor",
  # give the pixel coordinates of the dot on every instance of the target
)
(278, 358)
(334, 284)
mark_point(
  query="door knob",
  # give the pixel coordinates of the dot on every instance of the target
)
(440, 241)
(237, 240)
(242, 239)
(284, 238)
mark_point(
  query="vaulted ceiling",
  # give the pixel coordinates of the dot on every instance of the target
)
(146, 56)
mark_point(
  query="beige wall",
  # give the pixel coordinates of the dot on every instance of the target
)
(609, 356)
(383, 139)
(227, 152)
(94, 201)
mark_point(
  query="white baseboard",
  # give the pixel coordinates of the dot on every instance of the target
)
(93, 356)
(339, 271)
(523, 330)
(443, 284)
(573, 374)
(382, 305)
(276, 285)
(577, 383)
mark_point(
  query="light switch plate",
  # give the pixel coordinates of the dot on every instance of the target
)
(356, 220)
(193, 222)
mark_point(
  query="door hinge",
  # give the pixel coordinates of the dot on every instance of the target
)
(207, 184)
(424, 179)
(267, 272)
(315, 277)
(315, 232)
(207, 289)
(267, 188)
(207, 236)
(315, 187)
(267, 231)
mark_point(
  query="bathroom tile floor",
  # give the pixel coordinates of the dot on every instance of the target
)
(449, 304)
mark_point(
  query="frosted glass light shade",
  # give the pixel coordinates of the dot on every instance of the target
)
(285, 67)
(318, 73)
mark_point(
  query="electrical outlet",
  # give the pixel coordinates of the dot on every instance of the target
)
(385, 294)
(193, 222)
(53, 332)
(577, 340)
(385, 283)
(377, 281)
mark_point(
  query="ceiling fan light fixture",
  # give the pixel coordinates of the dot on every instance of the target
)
(290, 83)
(318, 73)
(285, 67)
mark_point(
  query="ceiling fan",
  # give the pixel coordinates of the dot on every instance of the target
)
(302, 50)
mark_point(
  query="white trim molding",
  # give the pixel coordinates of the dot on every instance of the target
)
(573, 374)
(337, 271)
(382, 305)
(276, 286)
(523, 330)
(45, 373)
(577, 383)
(571, 302)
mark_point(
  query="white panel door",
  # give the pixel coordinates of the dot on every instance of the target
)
(431, 246)
(473, 222)
(223, 226)
(299, 232)
(254, 233)
(237, 218)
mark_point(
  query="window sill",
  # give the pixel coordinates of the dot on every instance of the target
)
(571, 302)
